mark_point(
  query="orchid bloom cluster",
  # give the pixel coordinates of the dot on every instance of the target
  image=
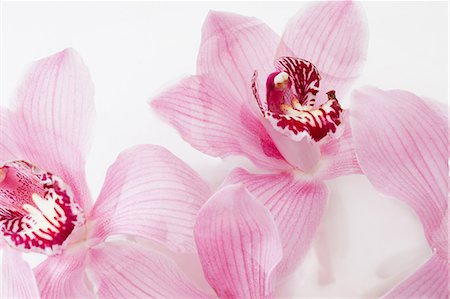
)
(274, 100)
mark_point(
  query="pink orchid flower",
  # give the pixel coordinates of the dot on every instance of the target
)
(45, 205)
(401, 141)
(295, 128)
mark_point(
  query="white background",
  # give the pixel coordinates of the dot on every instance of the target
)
(134, 50)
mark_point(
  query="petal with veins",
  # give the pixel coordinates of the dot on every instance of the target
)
(338, 154)
(64, 276)
(16, 277)
(232, 47)
(8, 145)
(53, 117)
(297, 207)
(401, 145)
(205, 114)
(129, 270)
(332, 35)
(238, 244)
(430, 281)
(150, 193)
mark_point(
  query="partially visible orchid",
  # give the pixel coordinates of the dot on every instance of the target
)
(295, 127)
(401, 141)
(45, 205)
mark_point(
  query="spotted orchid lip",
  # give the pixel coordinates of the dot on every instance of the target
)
(290, 101)
(38, 211)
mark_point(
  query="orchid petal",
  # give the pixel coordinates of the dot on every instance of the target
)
(430, 281)
(203, 111)
(338, 154)
(64, 276)
(402, 147)
(16, 277)
(150, 193)
(232, 48)
(297, 207)
(334, 37)
(54, 114)
(238, 244)
(8, 146)
(129, 270)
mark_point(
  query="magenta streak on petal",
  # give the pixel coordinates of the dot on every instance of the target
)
(305, 77)
(38, 211)
(317, 123)
(291, 112)
(275, 96)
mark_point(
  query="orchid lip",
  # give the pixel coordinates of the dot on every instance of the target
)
(290, 105)
(38, 211)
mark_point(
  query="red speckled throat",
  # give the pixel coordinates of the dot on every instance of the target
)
(37, 209)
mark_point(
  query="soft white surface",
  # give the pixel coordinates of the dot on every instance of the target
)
(134, 50)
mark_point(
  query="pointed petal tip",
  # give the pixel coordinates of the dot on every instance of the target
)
(54, 111)
(65, 55)
(221, 198)
(217, 17)
(234, 232)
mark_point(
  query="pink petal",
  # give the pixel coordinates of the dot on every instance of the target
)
(8, 145)
(402, 147)
(150, 193)
(334, 37)
(16, 278)
(64, 276)
(238, 244)
(204, 112)
(297, 207)
(430, 281)
(127, 270)
(54, 115)
(232, 48)
(338, 154)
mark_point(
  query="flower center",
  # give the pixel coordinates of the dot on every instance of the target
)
(37, 208)
(290, 101)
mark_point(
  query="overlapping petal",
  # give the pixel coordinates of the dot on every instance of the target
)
(16, 276)
(402, 147)
(203, 110)
(64, 276)
(150, 193)
(8, 145)
(297, 207)
(333, 35)
(232, 48)
(238, 244)
(338, 155)
(129, 270)
(430, 281)
(53, 116)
